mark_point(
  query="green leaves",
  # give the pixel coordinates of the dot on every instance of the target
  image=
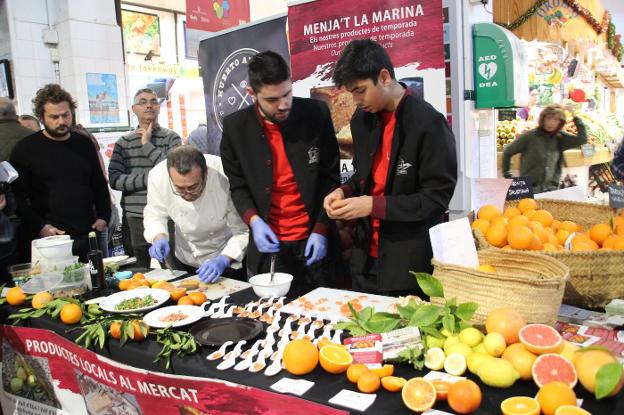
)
(607, 379)
(424, 315)
(413, 356)
(367, 321)
(429, 284)
(179, 342)
(465, 311)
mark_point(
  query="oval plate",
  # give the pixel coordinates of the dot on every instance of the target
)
(193, 313)
(217, 331)
(108, 303)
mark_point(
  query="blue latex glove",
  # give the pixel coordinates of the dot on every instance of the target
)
(264, 237)
(316, 248)
(160, 249)
(211, 270)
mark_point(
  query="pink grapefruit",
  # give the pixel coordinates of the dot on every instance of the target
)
(540, 338)
(551, 367)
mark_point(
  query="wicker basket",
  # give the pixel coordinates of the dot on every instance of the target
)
(531, 283)
(596, 277)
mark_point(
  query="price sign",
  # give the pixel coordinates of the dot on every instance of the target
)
(520, 188)
(588, 150)
(616, 196)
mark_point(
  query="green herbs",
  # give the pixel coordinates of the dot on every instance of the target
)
(175, 342)
(136, 302)
(74, 273)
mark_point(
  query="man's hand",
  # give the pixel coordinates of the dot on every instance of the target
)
(146, 134)
(316, 248)
(263, 235)
(337, 194)
(49, 230)
(2, 201)
(99, 225)
(211, 270)
(160, 248)
(352, 208)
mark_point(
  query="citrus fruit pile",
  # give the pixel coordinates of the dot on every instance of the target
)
(527, 227)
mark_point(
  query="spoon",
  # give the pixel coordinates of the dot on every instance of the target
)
(260, 362)
(275, 367)
(272, 270)
(218, 354)
(248, 356)
(230, 358)
(336, 338)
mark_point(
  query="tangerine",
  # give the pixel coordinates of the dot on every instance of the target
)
(619, 229)
(501, 220)
(115, 330)
(568, 225)
(15, 296)
(442, 388)
(464, 396)
(544, 217)
(562, 236)
(335, 359)
(505, 321)
(527, 204)
(536, 244)
(511, 211)
(497, 235)
(369, 382)
(481, 224)
(300, 357)
(393, 383)
(553, 395)
(609, 242)
(71, 313)
(419, 394)
(124, 284)
(138, 276)
(198, 298)
(185, 300)
(529, 213)
(519, 220)
(355, 371)
(598, 233)
(41, 299)
(140, 330)
(619, 244)
(520, 237)
(489, 212)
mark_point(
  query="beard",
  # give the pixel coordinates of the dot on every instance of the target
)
(277, 117)
(58, 132)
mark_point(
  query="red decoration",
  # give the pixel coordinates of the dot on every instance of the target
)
(599, 27)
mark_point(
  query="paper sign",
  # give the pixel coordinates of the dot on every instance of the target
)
(573, 194)
(294, 386)
(353, 400)
(452, 243)
(520, 188)
(435, 412)
(588, 150)
(489, 192)
(616, 196)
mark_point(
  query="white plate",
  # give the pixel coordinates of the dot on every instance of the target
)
(115, 259)
(193, 312)
(163, 274)
(109, 303)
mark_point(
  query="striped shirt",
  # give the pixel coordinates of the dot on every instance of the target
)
(131, 162)
(617, 165)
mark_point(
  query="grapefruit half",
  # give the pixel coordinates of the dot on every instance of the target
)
(552, 367)
(540, 338)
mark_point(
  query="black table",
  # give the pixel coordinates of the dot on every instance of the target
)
(141, 355)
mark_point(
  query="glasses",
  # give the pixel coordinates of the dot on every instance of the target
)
(193, 190)
(144, 102)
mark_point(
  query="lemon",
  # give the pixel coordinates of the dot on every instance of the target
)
(487, 268)
(494, 344)
(434, 359)
(435, 341)
(460, 348)
(568, 350)
(479, 348)
(450, 340)
(470, 336)
(498, 373)
(475, 359)
(455, 364)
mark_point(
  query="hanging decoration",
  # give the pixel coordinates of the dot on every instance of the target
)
(522, 19)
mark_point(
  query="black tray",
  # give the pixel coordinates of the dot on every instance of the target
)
(215, 332)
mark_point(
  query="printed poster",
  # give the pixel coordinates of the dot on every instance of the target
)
(216, 15)
(223, 61)
(44, 373)
(410, 31)
(103, 98)
(141, 32)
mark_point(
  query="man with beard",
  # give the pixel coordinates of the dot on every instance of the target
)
(281, 157)
(61, 188)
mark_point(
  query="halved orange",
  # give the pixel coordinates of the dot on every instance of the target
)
(335, 359)
(177, 293)
(385, 370)
(571, 410)
(442, 388)
(355, 371)
(393, 383)
(520, 405)
(419, 394)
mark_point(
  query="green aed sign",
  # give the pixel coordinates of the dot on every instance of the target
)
(500, 68)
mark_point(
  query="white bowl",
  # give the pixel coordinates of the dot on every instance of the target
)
(263, 288)
(55, 248)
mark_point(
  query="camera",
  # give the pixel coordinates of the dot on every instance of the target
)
(4, 187)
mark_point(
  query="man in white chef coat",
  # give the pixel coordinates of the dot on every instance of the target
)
(191, 189)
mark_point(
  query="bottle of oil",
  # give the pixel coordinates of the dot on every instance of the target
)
(96, 264)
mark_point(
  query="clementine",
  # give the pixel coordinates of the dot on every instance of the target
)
(355, 371)
(497, 235)
(464, 396)
(71, 313)
(527, 204)
(369, 382)
(489, 212)
(41, 299)
(519, 220)
(185, 300)
(544, 217)
(385, 370)
(140, 330)
(599, 232)
(569, 226)
(481, 224)
(511, 211)
(520, 237)
(198, 298)
(115, 330)
(124, 284)
(300, 357)
(15, 296)
(553, 395)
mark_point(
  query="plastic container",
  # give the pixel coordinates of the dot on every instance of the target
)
(22, 273)
(43, 282)
(123, 275)
(263, 288)
(59, 265)
(55, 247)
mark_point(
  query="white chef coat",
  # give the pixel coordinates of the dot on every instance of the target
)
(205, 228)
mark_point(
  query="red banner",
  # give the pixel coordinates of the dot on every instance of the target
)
(216, 15)
(43, 373)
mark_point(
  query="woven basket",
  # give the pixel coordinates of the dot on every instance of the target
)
(596, 277)
(531, 283)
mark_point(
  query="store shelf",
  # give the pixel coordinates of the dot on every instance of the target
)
(573, 158)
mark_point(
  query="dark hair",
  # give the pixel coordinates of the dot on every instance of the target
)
(552, 110)
(184, 158)
(361, 59)
(51, 93)
(267, 68)
(142, 91)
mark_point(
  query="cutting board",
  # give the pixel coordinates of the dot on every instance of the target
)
(163, 274)
(329, 303)
(225, 286)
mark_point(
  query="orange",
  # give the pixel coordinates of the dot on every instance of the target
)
(619, 244)
(529, 213)
(15, 296)
(489, 212)
(464, 396)
(527, 204)
(619, 229)
(124, 284)
(185, 300)
(300, 357)
(198, 298)
(115, 330)
(553, 395)
(355, 371)
(511, 211)
(138, 276)
(609, 242)
(369, 382)
(335, 359)
(582, 246)
(544, 217)
(587, 363)
(139, 283)
(521, 359)
(497, 235)
(41, 299)
(505, 321)
(481, 224)
(618, 220)
(140, 330)
(569, 226)
(519, 220)
(393, 383)
(550, 247)
(385, 370)
(71, 313)
(442, 388)
(571, 410)
(520, 237)
(520, 405)
(562, 236)
(177, 293)
(536, 244)
(419, 394)
(598, 233)
(501, 220)
(508, 247)
(555, 225)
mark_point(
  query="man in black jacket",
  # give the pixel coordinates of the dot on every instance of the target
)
(405, 173)
(281, 158)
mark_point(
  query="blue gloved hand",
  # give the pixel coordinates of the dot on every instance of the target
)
(160, 249)
(264, 237)
(316, 248)
(211, 270)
